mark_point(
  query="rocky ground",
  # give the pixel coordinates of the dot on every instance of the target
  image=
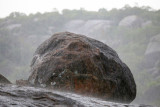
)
(24, 96)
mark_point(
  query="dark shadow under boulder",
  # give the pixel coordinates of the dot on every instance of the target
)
(76, 63)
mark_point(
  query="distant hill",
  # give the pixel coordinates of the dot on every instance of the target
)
(131, 31)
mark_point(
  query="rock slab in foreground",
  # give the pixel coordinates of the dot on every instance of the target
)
(82, 65)
(20, 96)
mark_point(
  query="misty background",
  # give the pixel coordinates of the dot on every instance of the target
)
(133, 31)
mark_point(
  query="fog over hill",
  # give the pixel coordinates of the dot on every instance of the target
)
(134, 32)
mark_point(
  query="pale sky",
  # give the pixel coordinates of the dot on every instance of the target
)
(34, 6)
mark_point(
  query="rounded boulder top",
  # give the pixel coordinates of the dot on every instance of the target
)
(79, 64)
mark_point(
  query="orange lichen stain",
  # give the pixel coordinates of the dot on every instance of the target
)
(84, 86)
(92, 86)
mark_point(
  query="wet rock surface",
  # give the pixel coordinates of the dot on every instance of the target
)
(75, 63)
(4, 80)
(18, 96)
(23, 96)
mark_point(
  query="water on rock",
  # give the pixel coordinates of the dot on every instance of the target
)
(24, 96)
(79, 64)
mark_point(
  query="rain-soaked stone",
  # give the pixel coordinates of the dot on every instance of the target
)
(79, 64)
(4, 80)
(24, 96)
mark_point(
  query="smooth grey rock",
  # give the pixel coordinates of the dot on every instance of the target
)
(130, 21)
(89, 28)
(154, 45)
(152, 54)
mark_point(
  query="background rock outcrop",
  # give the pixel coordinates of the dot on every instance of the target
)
(88, 28)
(83, 65)
(152, 56)
(131, 21)
(4, 80)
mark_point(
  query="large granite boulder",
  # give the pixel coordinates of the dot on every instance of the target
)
(4, 80)
(82, 65)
